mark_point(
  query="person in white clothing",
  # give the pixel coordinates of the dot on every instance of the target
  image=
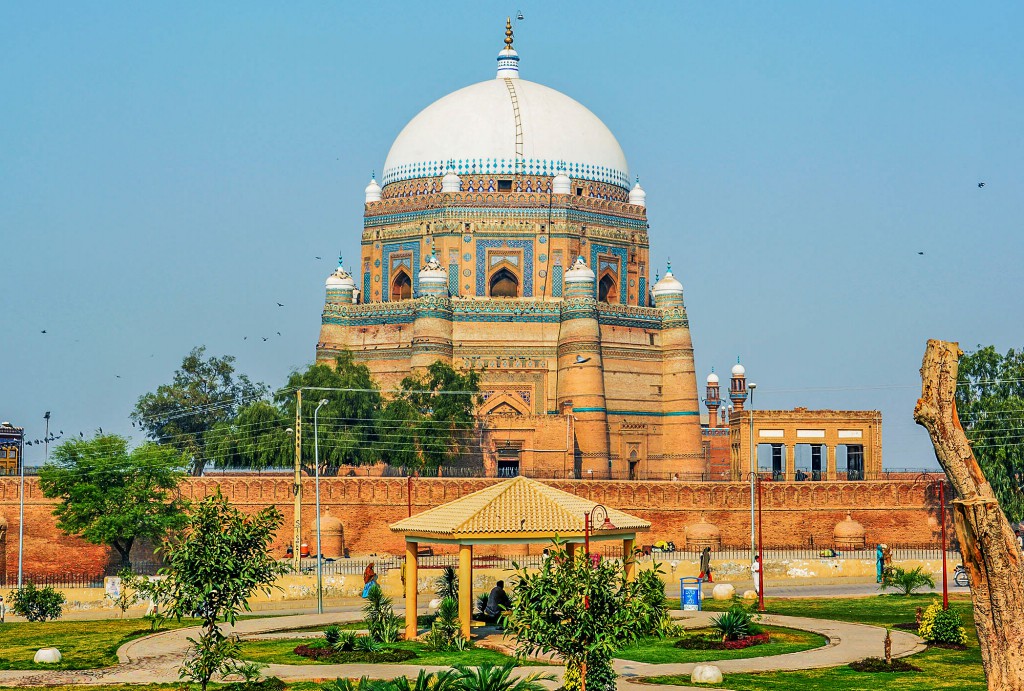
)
(755, 572)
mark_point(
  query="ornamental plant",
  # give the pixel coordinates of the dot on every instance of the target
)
(585, 612)
(942, 626)
(37, 604)
(906, 582)
(384, 626)
(734, 624)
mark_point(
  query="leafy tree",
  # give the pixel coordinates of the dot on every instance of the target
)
(213, 568)
(256, 438)
(112, 496)
(203, 393)
(583, 611)
(345, 421)
(37, 604)
(989, 401)
(430, 421)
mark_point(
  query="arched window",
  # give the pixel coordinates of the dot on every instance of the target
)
(606, 289)
(504, 284)
(401, 287)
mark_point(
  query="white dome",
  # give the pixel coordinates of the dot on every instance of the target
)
(712, 378)
(451, 182)
(433, 271)
(561, 184)
(340, 279)
(667, 285)
(474, 130)
(580, 272)
(637, 195)
(372, 191)
(738, 370)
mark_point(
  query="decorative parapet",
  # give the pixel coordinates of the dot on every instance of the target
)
(629, 315)
(674, 317)
(371, 313)
(505, 309)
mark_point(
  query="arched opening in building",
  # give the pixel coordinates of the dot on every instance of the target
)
(401, 287)
(504, 284)
(607, 291)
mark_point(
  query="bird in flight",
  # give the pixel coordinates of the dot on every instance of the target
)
(921, 253)
(117, 376)
(319, 257)
(81, 435)
(43, 331)
(280, 305)
(981, 184)
(580, 359)
(278, 333)
(264, 338)
(245, 338)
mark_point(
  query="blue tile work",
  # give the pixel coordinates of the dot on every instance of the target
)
(470, 212)
(453, 280)
(506, 166)
(388, 248)
(366, 296)
(642, 293)
(481, 269)
(556, 281)
(623, 254)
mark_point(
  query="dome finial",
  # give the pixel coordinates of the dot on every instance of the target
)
(508, 32)
(339, 260)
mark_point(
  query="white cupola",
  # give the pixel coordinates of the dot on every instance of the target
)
(508, 58)
(373, 191)
(712, 378)
(739, 370)
(451, 182)
(561, 184)
(433, 279)
(637, 195)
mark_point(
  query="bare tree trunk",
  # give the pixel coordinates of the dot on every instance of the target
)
(989, 547)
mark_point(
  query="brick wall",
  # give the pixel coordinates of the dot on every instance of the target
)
(896, 512)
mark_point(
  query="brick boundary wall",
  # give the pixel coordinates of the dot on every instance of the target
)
(891, 511)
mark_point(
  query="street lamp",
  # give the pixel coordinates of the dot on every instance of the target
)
(319, 552)
(753, 472)
(589, 519)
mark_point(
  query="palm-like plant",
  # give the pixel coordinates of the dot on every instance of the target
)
(447, 584)
(447, 680)
(906, 582)
(380, 617)
(733, 624)
(488, 677)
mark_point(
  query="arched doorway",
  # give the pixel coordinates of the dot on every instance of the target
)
(401, 287)
(504, 284)
(607, 290)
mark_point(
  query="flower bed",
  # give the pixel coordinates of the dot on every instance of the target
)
(706, 642)
(877, 664)
(327, 654)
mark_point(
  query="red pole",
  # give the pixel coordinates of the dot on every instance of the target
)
(586, 533)
(942, 522)
(408, 492)
(760, 550)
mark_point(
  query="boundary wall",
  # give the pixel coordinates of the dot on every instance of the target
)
(795, 513)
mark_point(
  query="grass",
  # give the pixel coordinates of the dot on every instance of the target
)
(940, 668)
(177, 686)
(280, 651)
(82, 644)
(663, 650)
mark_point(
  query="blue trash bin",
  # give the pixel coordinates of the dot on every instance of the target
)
(689, 593)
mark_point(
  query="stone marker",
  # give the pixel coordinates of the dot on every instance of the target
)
(706, 674)
(47, 656)
(749, 594)
(723, 591)
(434, 604)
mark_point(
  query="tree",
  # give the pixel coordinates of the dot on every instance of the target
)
(987, 542)
(989, 400)
(213, 568)
(203, 393)
(585, 612)
(112, 496)
(256, 438)
(37, 604)
(429, 422)
(346, 422)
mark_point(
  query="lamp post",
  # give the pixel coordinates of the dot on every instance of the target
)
(21, 509)
(753, 471)
(941, 486)
(588, 526)
(760, 551)
(319, 552)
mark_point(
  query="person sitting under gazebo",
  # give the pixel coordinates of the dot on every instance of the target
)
(497, 602)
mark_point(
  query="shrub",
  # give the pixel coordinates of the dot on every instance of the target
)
(481, 606)
(346, 641)
(379, 613)
(37, 604)
(732, 625)
(366, 644)
(708, 642)
(906, 582)
(447, 584)
(446, 631)
(383, 656)
(332, 634)
(942, 626)
(488, 677)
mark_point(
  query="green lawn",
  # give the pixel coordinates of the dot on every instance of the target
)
(663, 650)
(941, 668)
(83, 644)
(177, 686)
(280, 651)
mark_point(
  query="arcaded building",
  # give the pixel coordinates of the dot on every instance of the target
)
(505, 236)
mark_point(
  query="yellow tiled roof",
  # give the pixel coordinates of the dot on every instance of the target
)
(519, 506)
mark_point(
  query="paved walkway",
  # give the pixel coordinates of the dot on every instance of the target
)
(155, 659)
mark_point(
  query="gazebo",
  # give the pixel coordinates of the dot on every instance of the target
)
(513, 512)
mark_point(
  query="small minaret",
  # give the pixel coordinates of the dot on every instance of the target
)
(712, 401)
(432, 329)
(738, 386)
(340, 286)
(508, 58)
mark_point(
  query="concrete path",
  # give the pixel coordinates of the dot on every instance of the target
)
(155, 659)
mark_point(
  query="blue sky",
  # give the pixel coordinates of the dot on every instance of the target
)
(168, 172)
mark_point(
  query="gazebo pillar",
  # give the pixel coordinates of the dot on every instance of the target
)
(570, 549)
(465, 587)
(628, 559)
(411, 586)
